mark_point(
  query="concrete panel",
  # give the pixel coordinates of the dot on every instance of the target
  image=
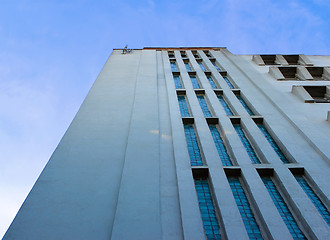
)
(137, 214)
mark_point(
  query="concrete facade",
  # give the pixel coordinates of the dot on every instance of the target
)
(123, 169)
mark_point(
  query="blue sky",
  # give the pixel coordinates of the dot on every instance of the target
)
(52, 51)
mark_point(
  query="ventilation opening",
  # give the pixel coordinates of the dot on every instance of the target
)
(316, 72)
(288, 72)
(318, 93)
(269, 59)
(292, 59)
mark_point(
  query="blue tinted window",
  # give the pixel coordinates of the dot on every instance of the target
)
(194, 82)
(246, 143)
(272, 143)
(225, 159)
(315, 199)
(183, 106)
(245, 105)
(283, 209)
(225, 105)
(216, 66)
(228, 82)
(177, 82)
(203, 104)
(242, 202)
(212, 83)
(187, 66)
(210, 222)
(201, 66)
(173, 66)
(193, 148)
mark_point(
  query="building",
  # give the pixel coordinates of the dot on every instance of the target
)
(191, 143)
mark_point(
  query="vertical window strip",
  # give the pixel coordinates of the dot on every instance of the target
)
(202, 66)
(174, 68)
(187, 66)
(243, 205)
(216, 66)
(194, 82)
(195, 54)
(283, 209)
(207, 53)
(272, 143)
(183, 106)
(212, 83)
(170, 54)
(193, 148)
(245, 105)
(225, 105)
(247, 144)
(183, 54)
(204, 107)
(314, 198)
(177, 82)
(206, 206)
(228, 82)
(222, 151)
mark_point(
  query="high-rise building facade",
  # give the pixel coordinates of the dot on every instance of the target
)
(191, 143)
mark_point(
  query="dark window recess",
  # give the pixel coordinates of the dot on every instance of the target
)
(183, 54)
(269, 59)
(316, 72)
(288, 72)
(207, 53)
(171, 54)
(319, 93)
(195, 54)
(292, 59)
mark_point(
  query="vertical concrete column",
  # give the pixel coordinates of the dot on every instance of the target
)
(326, 73)
(303, 74)
(281, 60)
(258, 60)
(276, 73)
(231, 223)
(304, 60)
(272, 224)
(169, 205)
(191, 219)
(300, 92)
(307, 216)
